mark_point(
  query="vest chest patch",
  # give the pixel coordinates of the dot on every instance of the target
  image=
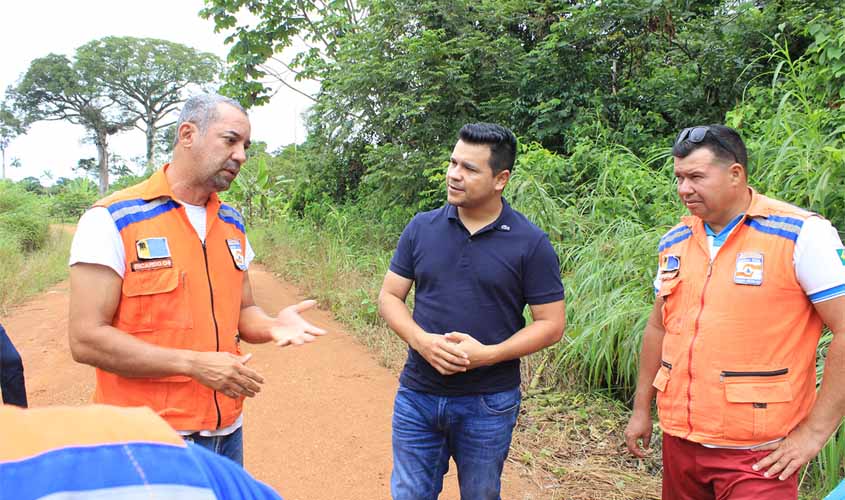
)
(237, 254)
(749, 269)
(670, 267)
(152, 248)
(841, 253)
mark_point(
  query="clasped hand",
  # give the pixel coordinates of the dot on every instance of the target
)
(454, 352)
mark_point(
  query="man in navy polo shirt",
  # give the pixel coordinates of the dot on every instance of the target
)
(475, 263)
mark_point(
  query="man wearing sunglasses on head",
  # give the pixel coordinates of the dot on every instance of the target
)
(744, 286)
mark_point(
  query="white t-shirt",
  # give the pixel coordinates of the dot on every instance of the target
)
(818, 266)
(97, 241)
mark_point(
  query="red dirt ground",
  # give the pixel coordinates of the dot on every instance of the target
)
(319, 429)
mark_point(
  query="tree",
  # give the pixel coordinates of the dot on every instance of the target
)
(117, 166)
(10, 127)
(54, 89)
(255, 56)
(31, 184)
(147, 77)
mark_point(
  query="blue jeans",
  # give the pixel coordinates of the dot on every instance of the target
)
(230, 446)
(475, 430)
(12, 384)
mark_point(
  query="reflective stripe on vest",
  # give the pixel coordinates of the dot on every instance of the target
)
(738, 357)
(181, 295)
(95, 451)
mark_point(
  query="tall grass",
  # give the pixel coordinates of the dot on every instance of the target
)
(605, 210)
(23, 217)
(339, 260)
(32, 256)
(25, 274)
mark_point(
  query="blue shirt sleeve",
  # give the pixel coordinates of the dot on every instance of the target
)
(402, 262)
(542, 284)
(228, 479)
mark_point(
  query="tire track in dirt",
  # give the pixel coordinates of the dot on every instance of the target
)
(319, 429)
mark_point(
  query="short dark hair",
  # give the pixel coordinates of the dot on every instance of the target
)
(724, 142)
(502, 143)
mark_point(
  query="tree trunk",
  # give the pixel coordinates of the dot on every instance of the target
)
(103, 157)
(151, 134)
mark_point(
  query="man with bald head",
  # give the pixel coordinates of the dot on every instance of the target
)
(160, 291)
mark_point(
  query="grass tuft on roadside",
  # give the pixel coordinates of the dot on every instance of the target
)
(25, 274)
(571, 443)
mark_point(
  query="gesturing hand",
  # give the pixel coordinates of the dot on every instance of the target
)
(291, 328)
(226, 373)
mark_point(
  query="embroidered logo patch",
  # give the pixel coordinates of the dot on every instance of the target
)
(670, 266)
(237, 254)
(152, 248)
(841, 253)
(749, 269)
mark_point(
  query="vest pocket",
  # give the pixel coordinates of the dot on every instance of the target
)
(155, 300)
(673, 315)
(661, 380)
(756, 408)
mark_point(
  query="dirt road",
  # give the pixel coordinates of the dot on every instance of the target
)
(319, 429)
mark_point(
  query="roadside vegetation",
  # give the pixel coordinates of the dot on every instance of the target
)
(33, 254)
(327, 213)
(596, 92)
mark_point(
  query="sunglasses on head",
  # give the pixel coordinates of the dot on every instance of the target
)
(697, 135)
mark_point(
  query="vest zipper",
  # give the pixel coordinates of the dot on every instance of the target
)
(772, 373)
(214, 318)
(666, 364)
(692, 348)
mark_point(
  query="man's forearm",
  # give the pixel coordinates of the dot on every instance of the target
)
(118, 352)
(254, 325)
(650, 355)
(398, 318)
(534, 337)
(829, 408)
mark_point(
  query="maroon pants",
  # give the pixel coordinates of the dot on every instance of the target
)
(695, 472)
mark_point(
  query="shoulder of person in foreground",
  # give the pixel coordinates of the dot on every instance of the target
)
(111, 452)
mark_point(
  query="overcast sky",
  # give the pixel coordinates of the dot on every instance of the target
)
(31, 29)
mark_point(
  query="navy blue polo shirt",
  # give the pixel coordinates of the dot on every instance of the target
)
(475, 284)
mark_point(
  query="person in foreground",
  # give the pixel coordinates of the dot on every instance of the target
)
(12, 383)
(160, 296)
(745, 285)
(475, 263)
(106, 452)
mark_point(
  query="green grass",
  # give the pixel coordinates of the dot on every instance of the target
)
(343, 274)
(25, 274)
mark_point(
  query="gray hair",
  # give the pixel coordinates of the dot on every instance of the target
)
(201, 110)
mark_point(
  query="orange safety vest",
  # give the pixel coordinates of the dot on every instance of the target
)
(739, 350)
(29, 433)
(176, 293)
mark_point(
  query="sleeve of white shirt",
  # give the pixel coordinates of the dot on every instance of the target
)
(250, 254)
(819, 261)
(97, 241)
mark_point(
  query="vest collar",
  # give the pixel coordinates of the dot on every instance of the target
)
(758, 208)
(157, 187)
